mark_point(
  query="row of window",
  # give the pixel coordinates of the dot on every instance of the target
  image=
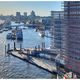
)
(58, 46)
(74, 51)
(75, 57)
(76, 32)
(73, 43)
(74, 12)
(58, 30)
(58, 38)
(58, 41)
(77, 7)
(72, 34)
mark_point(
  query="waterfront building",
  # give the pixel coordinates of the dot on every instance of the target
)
(72, 25)
(18, 14)
(57, 30)
(47, 22)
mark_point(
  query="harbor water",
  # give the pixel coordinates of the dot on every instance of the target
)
(11, 67)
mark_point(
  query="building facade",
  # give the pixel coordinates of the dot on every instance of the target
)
(18, 16)
(72, 22)
(57, 29)
(25, 14)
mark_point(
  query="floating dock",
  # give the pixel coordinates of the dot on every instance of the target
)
(34, 61)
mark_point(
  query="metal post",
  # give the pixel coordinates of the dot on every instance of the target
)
(43, 45)
(20, 47)
(8, 47)
(14, 46)
(39, 47)
(5, 50)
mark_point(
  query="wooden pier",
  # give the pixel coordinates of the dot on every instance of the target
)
(32, 56)
(34, 61)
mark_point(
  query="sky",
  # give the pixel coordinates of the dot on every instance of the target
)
(41, 8)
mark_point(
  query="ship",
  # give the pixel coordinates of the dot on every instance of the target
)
(19, 34)
(16, 34)
(9, 36)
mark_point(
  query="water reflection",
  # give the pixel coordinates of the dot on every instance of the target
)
(11, 67)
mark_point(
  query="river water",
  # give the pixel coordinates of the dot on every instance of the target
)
(11, 67)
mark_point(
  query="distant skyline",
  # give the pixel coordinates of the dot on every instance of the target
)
(41, 8)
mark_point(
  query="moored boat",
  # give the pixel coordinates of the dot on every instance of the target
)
(1, 31)
(15, 34)
(9, 36)
(19, 34)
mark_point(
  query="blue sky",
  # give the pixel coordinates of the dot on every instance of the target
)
(41, 8)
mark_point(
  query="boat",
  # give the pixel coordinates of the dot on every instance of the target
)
(19, 34)
(24, 28)
(5, 29)
(15, 34)
(1, 31)
(9, 35)
(42, 33)
(13, 37)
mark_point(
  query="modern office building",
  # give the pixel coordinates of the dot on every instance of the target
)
(18, 16)
(24, 17)
(57, 29)
(25, 14)
(72, 25)
(32, 15)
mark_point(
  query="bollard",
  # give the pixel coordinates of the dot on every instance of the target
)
(5, 50)
(39, 47)
(14, 46)
(43, 45)
(20, 47)
(8, 47)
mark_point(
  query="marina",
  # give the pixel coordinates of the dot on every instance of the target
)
(12, 63)
(40, 40)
